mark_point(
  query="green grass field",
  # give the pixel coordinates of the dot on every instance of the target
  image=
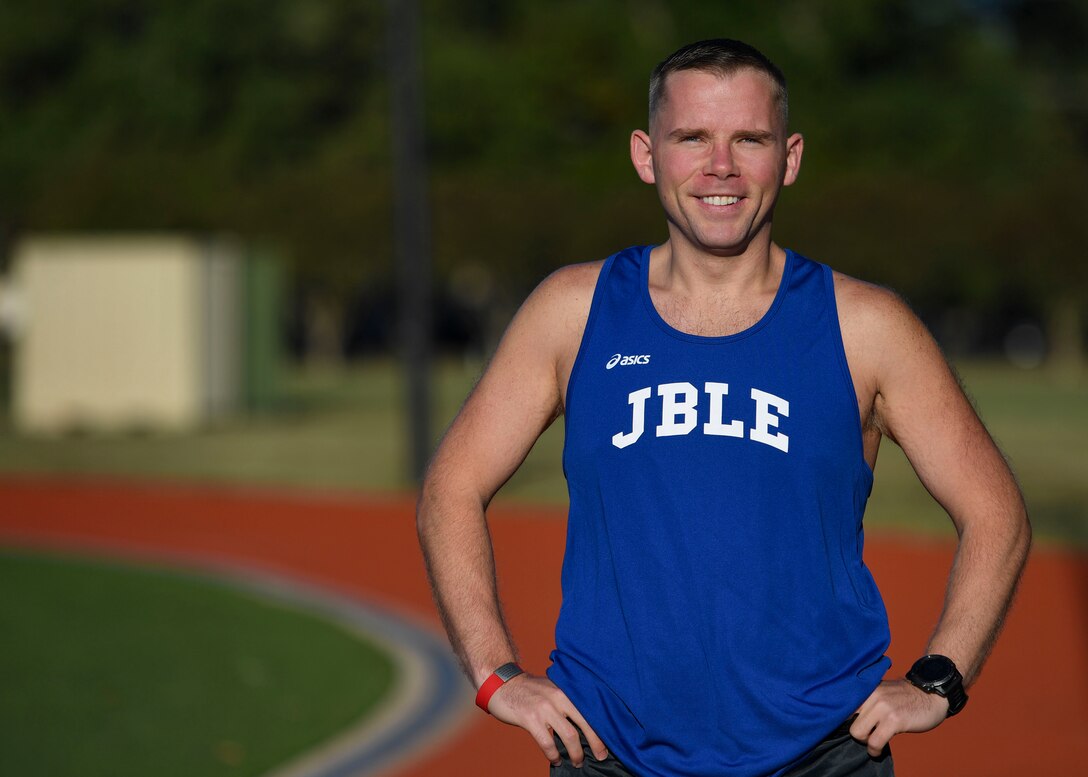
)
(124, 671)
(344, 429)
(1041, 424)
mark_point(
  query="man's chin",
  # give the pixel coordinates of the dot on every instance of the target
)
(724, 248)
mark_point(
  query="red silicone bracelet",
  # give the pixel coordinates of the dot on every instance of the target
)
(503, 674)
(487, 690)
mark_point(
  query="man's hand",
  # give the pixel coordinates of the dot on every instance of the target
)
(895, 707)
(538, 706)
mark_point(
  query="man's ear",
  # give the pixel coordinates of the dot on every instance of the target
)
(642, 156)
(795, 146)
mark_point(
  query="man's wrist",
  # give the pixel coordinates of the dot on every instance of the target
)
(481, 670)
(494, 681)
(937, 675)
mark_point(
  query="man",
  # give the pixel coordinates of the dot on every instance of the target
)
(724, 400)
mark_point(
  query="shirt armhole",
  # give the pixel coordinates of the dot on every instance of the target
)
(844, 364)
(594, 307)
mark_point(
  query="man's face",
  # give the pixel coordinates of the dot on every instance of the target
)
(718, 154)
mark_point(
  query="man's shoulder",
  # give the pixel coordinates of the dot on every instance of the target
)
(552, 318)
(567, 290)
(869, 308)
(575, 277)
(880, 332)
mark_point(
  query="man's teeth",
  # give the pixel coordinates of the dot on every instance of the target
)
(720, 200)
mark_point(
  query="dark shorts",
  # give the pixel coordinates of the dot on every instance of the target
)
(839, 755)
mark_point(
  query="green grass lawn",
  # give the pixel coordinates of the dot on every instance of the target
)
(344, 429)
(1041, 424)
(126, 671)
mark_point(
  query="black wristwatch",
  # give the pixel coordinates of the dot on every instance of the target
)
(937, 674)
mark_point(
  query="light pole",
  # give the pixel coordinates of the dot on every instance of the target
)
(411, 222)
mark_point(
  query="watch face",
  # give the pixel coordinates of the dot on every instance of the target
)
(933, 669)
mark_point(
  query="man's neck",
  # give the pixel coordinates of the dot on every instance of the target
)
(687, 271)
(712, 296)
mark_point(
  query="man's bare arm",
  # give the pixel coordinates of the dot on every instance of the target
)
(919, 404)
(518, 397)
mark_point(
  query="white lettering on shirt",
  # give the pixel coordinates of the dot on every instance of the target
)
(716, 425)
(679, 414)
(765, 419)
(637, 400)
(673, 409)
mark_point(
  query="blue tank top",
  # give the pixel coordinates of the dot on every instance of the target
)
(717, 617)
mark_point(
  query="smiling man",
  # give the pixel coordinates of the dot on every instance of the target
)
(724, 400)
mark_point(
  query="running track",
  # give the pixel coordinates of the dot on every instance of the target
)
(1028, 713)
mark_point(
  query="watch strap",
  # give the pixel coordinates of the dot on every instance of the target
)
(957, 697)
(496, 680)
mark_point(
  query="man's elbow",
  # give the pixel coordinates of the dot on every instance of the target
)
(1013, 534)
(1022, 536)
(427, 504)
(446, 497)
(429, 499)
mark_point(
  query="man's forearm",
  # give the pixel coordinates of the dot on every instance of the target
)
(989, 560)
(984, 576)
(460, 563)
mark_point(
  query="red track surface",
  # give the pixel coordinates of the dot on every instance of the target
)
(1028, 714)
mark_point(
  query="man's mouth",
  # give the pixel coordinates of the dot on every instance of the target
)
(716, 200)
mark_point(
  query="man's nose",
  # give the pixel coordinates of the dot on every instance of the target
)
(720, 162)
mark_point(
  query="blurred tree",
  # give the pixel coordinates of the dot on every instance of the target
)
(945, 142)
(1050, 229)
(939, 158)
(262, 116)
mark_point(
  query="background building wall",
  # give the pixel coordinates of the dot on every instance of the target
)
(125, 332)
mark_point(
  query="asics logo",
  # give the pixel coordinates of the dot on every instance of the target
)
(625, 361)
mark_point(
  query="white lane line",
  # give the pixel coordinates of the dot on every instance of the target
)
(425, 707)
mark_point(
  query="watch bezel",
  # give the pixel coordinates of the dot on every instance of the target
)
(923, 672)
(949, 685)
